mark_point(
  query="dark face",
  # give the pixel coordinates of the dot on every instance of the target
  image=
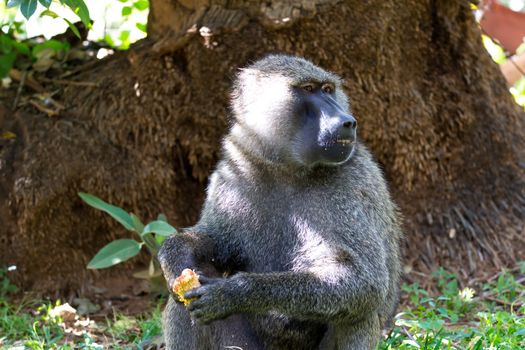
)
(326, 132)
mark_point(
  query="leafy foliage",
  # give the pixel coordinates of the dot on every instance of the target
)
(114, 253)
(458, 319)
(28, 8)
(488, 315)
(117, 32)
(124, 249)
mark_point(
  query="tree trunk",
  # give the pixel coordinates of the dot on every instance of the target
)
(430, 103)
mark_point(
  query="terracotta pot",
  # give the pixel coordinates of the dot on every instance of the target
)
(503, 24)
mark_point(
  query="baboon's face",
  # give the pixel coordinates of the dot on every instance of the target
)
(304, 121)
(323, 131)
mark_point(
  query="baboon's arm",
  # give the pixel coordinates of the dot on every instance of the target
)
(336, 292)
(186, 250)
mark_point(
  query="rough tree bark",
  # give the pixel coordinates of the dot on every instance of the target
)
(430, 103)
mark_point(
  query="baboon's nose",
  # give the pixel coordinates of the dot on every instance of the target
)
(350, 123)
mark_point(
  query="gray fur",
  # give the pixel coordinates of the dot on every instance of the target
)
(303, 254)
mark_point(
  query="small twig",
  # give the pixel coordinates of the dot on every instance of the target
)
(50, 112)
(407, 333)
(15, 74)
(48, 100)
(20, 88)
(83, 67)
(514, 269)
(70, 82)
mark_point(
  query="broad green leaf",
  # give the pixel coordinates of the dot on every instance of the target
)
(124, 36)
(50, 44)
(6, 43)
(80, 9)
(28, 7)
(160, 228)
(109, 40)
(73, 28)
(116, 213)
(114, 253)
(45, 3)
(22, 48)
(520, 331)
(137, 224)
(142, 27)
(126, 11)
(13, 3)
(49, 13)
(6, 63)
(160, 239)
(141, 5)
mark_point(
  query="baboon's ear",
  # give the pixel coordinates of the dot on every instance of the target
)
(245, 73)
(247, 78)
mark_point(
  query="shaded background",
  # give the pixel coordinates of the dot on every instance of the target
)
(432, 106)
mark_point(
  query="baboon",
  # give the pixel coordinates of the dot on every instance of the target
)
(297, 243)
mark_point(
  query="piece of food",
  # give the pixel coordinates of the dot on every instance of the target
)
(187, 280)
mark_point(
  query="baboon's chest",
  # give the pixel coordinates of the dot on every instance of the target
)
(285, 229)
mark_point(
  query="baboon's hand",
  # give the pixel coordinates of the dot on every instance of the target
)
(215, 299)
(176, 254)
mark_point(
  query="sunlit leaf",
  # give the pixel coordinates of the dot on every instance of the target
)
(114, 253)
(80, 9)
(49, 13)
(124, 36)
(141, 5)
(13, 3)
(116, 213)
(126, 10)
(520, 331)
(142, 27)
(45, 3)
(160, 239)
(108, 39)
(160, 228)
(495, 51)
(73, 28)
(28, 7)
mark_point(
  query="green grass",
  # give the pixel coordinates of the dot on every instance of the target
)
(486, 315)
(30, 324)
(489, 315)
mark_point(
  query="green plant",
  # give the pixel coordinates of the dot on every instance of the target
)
(131, 7)
(457, 318)
(151, 236)
(28, 8)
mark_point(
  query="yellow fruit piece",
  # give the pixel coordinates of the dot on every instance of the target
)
(187, 280)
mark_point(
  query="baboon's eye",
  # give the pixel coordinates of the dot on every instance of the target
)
(328, 88)
(307, 87)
